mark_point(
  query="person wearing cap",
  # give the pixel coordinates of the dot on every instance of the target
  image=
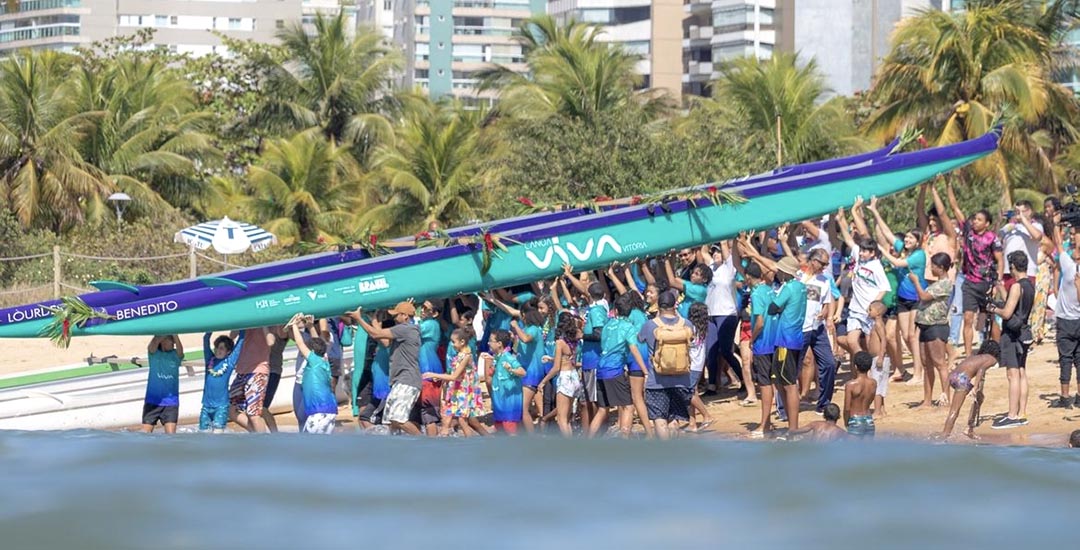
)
(405, 381)
(667, 397)
(790, 305)
(762, 337)
(821, 295)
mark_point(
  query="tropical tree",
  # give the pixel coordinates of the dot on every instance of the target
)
(149, 137)
(571, 73)
(432, 171)
(955, 75)
(44, 179)
(304, 188)
(778, 104)
(337, 80)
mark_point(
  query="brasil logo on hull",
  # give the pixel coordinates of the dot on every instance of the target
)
(593, 248)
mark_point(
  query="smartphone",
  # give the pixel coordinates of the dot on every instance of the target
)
(1008, 214)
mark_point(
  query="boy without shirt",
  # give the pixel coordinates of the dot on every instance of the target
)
(966, 377)
(876, 343)
(858, 395)
(825, 430)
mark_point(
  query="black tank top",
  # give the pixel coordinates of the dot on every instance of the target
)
(1023, 309)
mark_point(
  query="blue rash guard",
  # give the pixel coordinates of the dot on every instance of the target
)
(218, 371)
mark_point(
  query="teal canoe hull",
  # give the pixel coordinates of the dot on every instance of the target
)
(588, 243)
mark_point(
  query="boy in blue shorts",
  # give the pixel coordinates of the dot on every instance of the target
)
(320, 405)
(220, 362)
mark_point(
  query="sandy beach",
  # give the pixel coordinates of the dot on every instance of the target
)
(904, 418)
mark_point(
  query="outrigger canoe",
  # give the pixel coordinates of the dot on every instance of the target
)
(535, 252)
(27, 321)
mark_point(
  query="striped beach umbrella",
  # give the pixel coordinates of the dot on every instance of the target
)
(226, 236)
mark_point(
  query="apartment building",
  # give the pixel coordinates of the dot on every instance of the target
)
(181, 25)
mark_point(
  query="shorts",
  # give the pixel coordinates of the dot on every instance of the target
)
(761, 370)
(785, 366)
(881, 376)
(335, 366)
(613, 392)
(861, 426)
(247, 392)
(904, 306)
(271, 389)
(892, 312)
(319, 423)
(668, 404)
(213, 418)
(929, 333)
(509, 427)
(636, 374)
(960, 381)
(695, 377)
(744, 331)
(860, 322)
(166, 414)
(430, 403)
(588, 384)
(1013, 353)
(569, 384)
(399, 404)
(974, 296)
(549, 395)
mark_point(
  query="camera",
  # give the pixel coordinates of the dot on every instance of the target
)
(715, 249)
(1070, 212)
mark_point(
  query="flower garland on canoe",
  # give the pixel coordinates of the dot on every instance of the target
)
(72, 312)
(714, 193)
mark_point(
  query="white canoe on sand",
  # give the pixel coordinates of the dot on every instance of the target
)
(113, 400)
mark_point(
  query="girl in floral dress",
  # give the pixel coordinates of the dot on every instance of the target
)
(462, 399)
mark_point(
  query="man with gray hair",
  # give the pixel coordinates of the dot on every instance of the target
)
(821, 295)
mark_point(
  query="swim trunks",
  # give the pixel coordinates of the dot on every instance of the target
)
(166, 414)
(213, 417)
(320, 423)
(861, 426)
(248, 391)
(960, 381)
(399, 404)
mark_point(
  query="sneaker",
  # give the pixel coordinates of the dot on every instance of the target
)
(1021, 421)
(1061, 403)
(1076, 401)
(819, 412)
(1005, 423)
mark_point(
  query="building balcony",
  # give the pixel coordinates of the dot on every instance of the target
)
(697, 6)
(15, 38)
(38, 5)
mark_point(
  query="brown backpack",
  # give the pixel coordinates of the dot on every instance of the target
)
(671, 356)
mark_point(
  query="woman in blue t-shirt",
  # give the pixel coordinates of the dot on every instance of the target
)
(910, 258)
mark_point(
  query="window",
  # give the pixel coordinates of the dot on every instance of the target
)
(387, 5)
(173, 20)
(234, 23)
(161, 20)
(279, 23)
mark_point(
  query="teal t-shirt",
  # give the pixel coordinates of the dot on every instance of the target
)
(905, 289)
(692, 294)
(318, 397)
(163, 384)
(595, 318)
(792, 301)
(530, 353)
(505, 389)
(430, 333)
(760, 299)
(615, 341)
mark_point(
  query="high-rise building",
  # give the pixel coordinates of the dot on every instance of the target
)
(310, 9)
(649, 28)
(719, 30)
(447, 41)
(378, 14)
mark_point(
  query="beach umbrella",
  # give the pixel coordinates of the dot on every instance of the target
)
(226, 237)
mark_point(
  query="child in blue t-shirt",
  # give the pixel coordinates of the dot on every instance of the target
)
(320, 405)
(220, 362)
(505, 372)
(162, 403)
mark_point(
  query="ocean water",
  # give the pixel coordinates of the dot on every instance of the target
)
(125, 490)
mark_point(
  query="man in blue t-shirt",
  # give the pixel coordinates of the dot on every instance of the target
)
(595, 319)
(762, 338)
(162, 403)
(789, 305)
(618, 344)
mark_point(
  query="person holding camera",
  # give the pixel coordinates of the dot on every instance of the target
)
(1067, 315)
(1021, 233)
(1015, 338)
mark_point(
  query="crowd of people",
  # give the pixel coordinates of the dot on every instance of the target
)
(782, 313)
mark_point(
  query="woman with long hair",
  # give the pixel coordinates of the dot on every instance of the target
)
(911, 258)
(933, 321)
(699, 319)
(565, 371)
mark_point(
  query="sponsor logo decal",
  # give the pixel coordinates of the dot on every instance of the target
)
(146, 309)
(20, 315)
(373, 285)
(591, 249)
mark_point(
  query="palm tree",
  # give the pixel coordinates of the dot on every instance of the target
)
(760, 95)
(571, 73)
(432, 171)
(150, 136)
(304, 188)
(332, 80)
(44, 179)
(954, 74)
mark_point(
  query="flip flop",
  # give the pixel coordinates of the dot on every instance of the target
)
(748, 403)
(702, 425)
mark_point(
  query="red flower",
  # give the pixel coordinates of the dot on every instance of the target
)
(603, 198)
(321, 239)
(922, 141)
(526, 201)
(373, 239)
(489, 242)
(712, 189)
(635, 200)
(67, 328)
